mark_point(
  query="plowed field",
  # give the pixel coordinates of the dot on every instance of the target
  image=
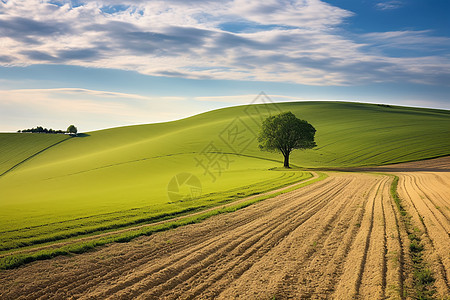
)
(427, 196)
(339, 238)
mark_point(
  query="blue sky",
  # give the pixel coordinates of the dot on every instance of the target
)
(100, 64)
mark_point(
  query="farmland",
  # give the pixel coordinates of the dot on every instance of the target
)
(340, 234)
(341, 237)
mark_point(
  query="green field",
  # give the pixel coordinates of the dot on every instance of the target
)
(119, 177)
(15, 148)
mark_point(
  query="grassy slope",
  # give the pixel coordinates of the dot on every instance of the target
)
(15, 148)
(119, 169)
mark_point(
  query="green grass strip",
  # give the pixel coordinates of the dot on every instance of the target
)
(422, 277)
(16, 260)
(47, 234)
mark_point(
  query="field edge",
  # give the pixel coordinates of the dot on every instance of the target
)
(17, 260)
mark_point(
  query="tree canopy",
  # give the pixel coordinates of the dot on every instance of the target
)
(285, 132)
(40, 129)
(72, 129)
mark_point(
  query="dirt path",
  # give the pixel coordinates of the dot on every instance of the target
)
(340, 238)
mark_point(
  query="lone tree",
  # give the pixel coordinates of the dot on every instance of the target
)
(284, 133)
(72, 130)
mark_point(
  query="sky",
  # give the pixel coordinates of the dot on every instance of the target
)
(107, 63)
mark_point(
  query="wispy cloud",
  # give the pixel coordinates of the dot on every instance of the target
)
(289, 41)
(245, 99)
(389, 5)
(77, 91)
(422, 39)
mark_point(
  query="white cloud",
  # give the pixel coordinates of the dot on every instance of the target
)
(304, 13)
(422, 39)
(276, 40)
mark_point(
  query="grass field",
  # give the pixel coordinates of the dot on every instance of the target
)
(15, 148)
(119, 177)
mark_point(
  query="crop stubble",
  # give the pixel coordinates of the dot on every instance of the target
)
(339, 238)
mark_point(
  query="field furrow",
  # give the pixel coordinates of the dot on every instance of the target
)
(429, 217)
(271, 228)
(349, 284)
(373, 275)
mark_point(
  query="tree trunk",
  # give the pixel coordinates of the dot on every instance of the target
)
(286, 160)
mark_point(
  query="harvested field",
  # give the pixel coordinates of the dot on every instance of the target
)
(339, 238)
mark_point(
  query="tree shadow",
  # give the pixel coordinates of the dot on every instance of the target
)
(82, 135)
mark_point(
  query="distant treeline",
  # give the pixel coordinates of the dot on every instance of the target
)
(40, 129)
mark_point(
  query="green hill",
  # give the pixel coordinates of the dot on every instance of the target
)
(16, 148)
(112, 178)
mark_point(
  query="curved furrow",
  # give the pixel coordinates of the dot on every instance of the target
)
(364, 286)
(327, 254)
(130, 261)
(439, 189)
(439, 259)
(349, 284)
(437, 217)
(145, 270)
(373, 284)
(185, 269)
(235, 268)
(275, 270)
(438, 186)
(430, 196)
(334, 269)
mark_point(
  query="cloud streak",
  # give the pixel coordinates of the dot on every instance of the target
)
(296, 41)
(389, 5)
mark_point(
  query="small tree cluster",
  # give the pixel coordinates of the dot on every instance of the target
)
(39, 129)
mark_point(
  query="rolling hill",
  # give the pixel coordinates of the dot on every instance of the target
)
(17, 148)
(96, 181)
